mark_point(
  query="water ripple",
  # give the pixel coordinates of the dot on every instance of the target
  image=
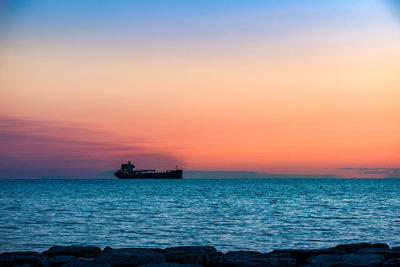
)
(228, 214)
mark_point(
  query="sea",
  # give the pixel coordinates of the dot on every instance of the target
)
(229, 214)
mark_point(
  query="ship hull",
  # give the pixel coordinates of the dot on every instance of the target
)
(175, 174)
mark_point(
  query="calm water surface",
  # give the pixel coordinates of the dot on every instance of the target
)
(228, 214)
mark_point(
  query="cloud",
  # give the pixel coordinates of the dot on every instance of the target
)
(385, 172)
(250, 175)
(36, 149)
(394, 173)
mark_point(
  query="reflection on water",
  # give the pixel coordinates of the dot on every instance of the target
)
(228, 214)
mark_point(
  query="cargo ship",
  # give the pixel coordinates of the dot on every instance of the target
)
(128, 171)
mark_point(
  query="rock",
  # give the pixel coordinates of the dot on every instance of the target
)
(77, 251)
(373, 250)
(363, 259)
(169, 264)
(255, 259)
(351, 248)
(57, 261)
(350, 255)
(302, 255)
(325, 260)
(347, 260)
(130, 256)
(85, 259)
(387, 253)
(5, 261)
(379, 245)
(282, 261)
(203, 255)
(395, 262)
(79, 263)
(22, 258)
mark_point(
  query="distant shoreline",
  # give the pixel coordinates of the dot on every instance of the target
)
(360, 254)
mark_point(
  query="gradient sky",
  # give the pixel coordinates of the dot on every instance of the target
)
(271, 86)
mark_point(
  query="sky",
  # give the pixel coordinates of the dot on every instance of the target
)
(292, 87)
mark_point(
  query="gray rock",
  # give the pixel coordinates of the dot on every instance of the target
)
(77, 251)
(169, 264)
(22, 258)
(387, 253)
(130, 256)
(395, 262)
(256, 259)
(347, 260)
(379, 245)
(373, 250)
(85, 259)
(352, 248)
(57, 261)
(203, 255)
(79, 263)
(302, 255)
(5, 261)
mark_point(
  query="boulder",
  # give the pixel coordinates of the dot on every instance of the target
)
(169, 264)
(352, 248)
(22, 258)
(256, 259)
(85, 259)
(77, 251)
(78, 263)
(58, 261)
(302, 255)
(203, 255)
(5, 261)
(379, 245)
(395, 262)
(347, 260)
(130, 256)
(387, 253)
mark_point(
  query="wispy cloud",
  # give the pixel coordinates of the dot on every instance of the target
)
(385, 172)
(251, 175)
(35, 149)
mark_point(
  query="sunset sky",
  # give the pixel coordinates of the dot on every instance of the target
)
(295, 87)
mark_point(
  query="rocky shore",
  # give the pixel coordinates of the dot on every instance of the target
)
(362, 254)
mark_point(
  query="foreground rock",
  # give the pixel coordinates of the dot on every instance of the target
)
(21, 258)
(77, 251)
(359, 260)
(130, 256)
(254, 259)
(204, 256)
(352, 255)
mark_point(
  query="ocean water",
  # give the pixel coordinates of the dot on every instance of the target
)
(229, 214)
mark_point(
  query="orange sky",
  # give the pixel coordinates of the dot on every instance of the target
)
(300, 103)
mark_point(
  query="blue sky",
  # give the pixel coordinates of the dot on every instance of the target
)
(184, 20)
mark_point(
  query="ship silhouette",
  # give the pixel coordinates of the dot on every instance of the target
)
(128, 171)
